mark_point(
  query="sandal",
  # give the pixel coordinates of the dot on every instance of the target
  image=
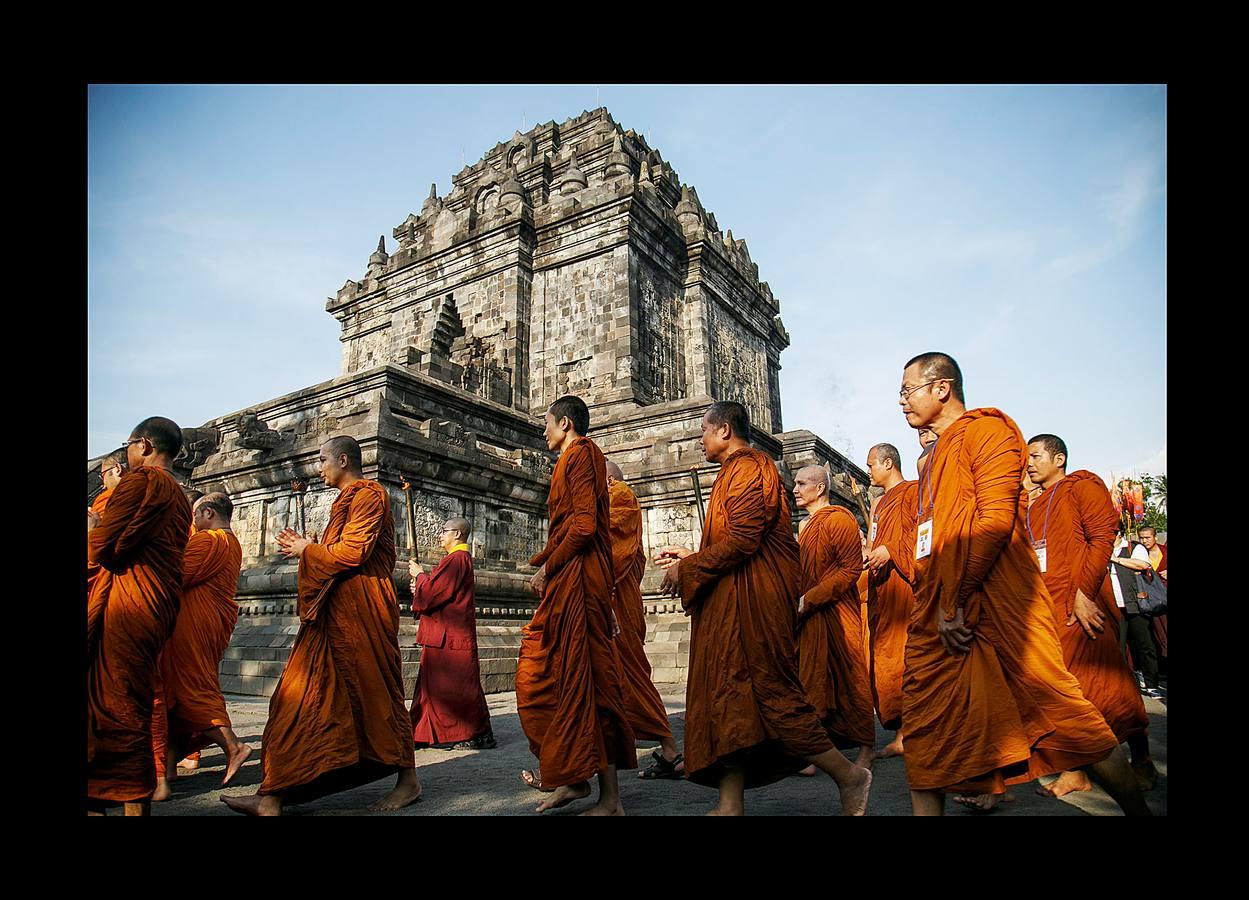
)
(661, 768)
(534, 780)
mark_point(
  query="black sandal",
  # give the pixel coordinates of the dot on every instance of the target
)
(661, 768)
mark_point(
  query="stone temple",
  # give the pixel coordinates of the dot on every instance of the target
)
(569, 259)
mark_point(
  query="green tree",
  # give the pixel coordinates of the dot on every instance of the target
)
(1155, 495)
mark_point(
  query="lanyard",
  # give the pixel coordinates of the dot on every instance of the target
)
(932, 505)
(1049, 504)
(880, 504)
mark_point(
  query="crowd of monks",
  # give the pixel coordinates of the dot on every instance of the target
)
(975, 619)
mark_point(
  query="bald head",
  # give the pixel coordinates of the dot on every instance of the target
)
(111, 469)
(812, 486)
(460, 527)
(934, 365)
(614, 472)
(212, 511)
(884, 465)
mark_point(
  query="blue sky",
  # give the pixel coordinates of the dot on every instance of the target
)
(1020, 229)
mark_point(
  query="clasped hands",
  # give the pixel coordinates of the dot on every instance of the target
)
(93, 518)
(669, 559)
(955, 634)
(292, 543)
(877, 559)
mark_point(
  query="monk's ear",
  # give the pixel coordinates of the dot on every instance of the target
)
(1060, 460)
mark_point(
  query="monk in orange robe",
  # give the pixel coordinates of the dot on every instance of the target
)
(648, 717)
(747, 720)
(569, 677)
(138, 542)
(832, 654)
(337, 719)
(111, 470)
(1072, 528)
(987, 698)
(891, 597)
(195, 709)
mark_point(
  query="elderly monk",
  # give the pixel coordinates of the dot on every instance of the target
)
(648, 717)
(337, 719)
(191, 659)
(569, 678)
(1072, 528)
(987, 698)
(890, 594)
(448, 706)
(747, 720)
(138, 542)
(111, 470)
(832, 654)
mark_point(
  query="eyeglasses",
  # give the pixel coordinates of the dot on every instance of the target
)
(137, 440)
(904, 393)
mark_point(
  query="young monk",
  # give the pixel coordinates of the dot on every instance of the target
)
(138, 542)
(569, 675)
(747, 720)
(1072, 529)
(337, 719)
(832, 655)
(448, 706)
(191, 659)
(987, 698)
(648, 717)
(891, 567)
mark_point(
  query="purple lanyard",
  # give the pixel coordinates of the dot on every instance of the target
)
(932, 461)
(1049, 504)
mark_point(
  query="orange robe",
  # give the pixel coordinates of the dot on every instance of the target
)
(191, 661)
(337, 719)
(1076, 521)
(890, 598)
(1008, 710)
(569, 692)
(745, 705)
(832, 656)
(98, 504)
(131, 612)
(647, 715)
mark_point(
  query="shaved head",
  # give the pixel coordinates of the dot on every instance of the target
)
(345, 445)
(934, 366)
(733, 414)
(613, 471)
(163, 434)
(218, 503)
(887, 453)
(460, 525)
(816, 474)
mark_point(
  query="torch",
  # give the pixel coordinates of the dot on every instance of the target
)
(298, 487)
(698, 495)
(407, 502)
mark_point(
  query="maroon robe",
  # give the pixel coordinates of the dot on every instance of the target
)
(448, 704)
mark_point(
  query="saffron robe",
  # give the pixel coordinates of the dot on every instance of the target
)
(337, 718)
(569, 678)
(131, 611)
(1077, 521)
(98, 504)
(448, 704)
(647, 714)
(832, 655)
(1009, 710)
(745, 704)
(890, 597)
(191, 661)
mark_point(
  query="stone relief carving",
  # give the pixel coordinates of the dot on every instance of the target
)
(257, 435)
(738, 371)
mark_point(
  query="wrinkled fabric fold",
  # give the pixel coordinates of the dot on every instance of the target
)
(890, 598)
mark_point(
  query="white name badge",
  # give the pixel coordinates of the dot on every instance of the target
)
(872, 536)
(1039, 547)
(923, 540)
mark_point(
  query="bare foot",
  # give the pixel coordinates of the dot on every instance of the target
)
(1066, 783)
(562, 796)
(190, 764)
(163, 792)
(808, 772)
(854, 796)
(865, 757)
(983, 802)
(1146, 774)
(234, 762)
(534, 780)
(717, 811)
(893, 748)
(254, 805)
(401, 795)
(599, 809)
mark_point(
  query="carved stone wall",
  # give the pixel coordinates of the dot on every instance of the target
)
(739, 366)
